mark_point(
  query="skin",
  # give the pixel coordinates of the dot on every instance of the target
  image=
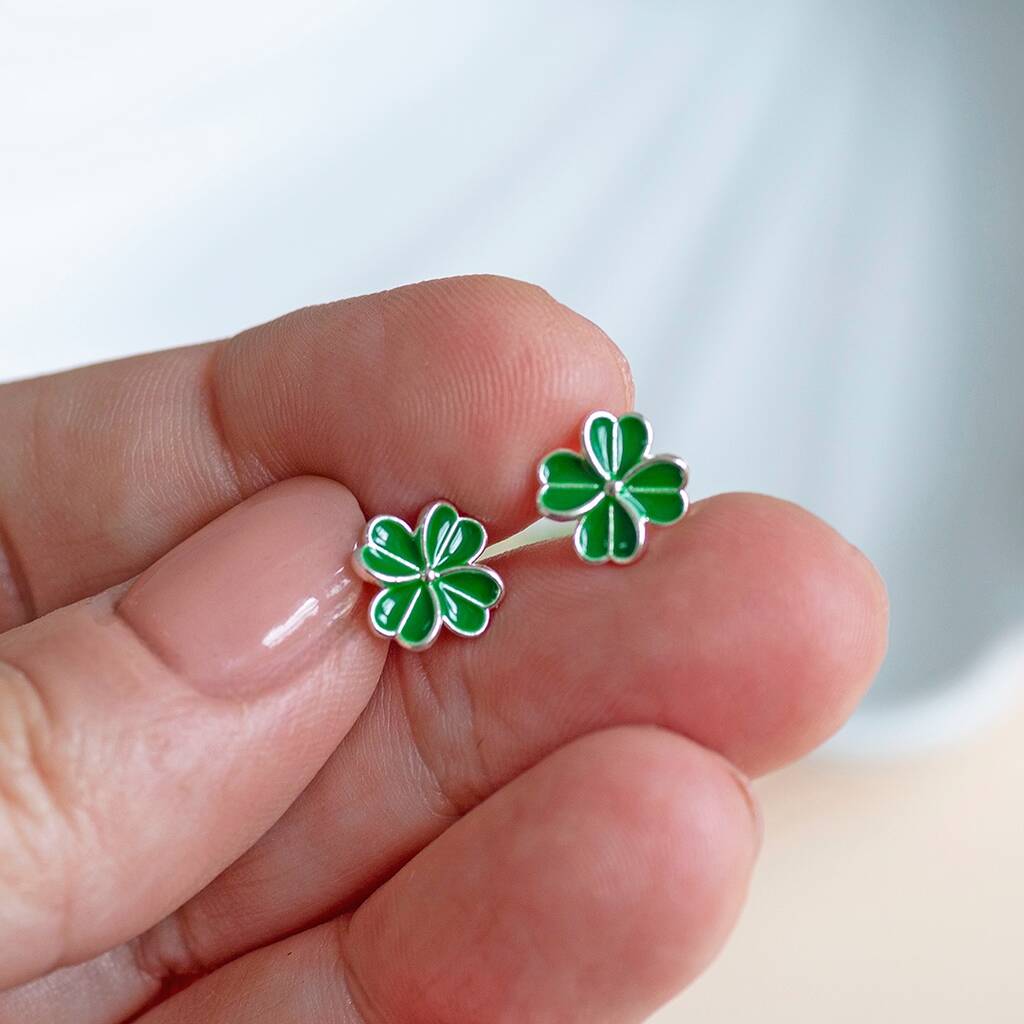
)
(549, 823)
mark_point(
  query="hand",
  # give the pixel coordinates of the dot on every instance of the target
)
(223, 799)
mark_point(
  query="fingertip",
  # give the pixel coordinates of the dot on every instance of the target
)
(523, 322)
(528, 368)
(754, 628)
(330, 499)
(594, 886)
(548, 321)
(817, 605)
(686, 811)
(840, 622)
(466, 372)
(666, 857)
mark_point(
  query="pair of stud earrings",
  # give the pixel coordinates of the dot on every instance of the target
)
(428, 575)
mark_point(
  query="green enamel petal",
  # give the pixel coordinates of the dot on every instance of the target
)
(627, 533)
(464, 597)
(421, 621)
(392, 552)
(462, 616)
(634, 442)
(437, 522)
(393, 535)
(407, 612)
(591, 537)
(384, 567)
(464, 542)
(390, 605)
(476, 583)
(450, 539)
(600, 439)
(568, 485)
(657, 487)
(609, 532)
(615, 445)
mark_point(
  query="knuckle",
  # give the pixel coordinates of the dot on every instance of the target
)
(34, 796)
(31, 782)
(169, 950)
(356, 992)
(444, 729)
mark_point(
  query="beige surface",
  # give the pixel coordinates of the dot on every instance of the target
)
(884, 893)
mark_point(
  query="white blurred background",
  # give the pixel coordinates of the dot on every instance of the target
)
(802, 221)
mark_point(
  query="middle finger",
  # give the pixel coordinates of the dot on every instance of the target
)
(753, 629)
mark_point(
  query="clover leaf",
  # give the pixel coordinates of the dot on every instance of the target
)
(614, 489)
(427, 575)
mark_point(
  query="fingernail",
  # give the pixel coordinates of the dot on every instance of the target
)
(239, 606)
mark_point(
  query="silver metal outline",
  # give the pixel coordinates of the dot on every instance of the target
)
(648, 433)
(564, 517)
(487, 609)
(423, 523)
(639, 518)
(616, 439)
(394, 634)
(654, 460)
(639, 523)
(362, 570)
(585, 438)
(432, 560)
(386, 582)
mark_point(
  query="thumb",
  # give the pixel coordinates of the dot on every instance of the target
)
(149, 735)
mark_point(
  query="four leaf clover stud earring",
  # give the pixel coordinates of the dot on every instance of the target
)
(427, 576)
(614, 489)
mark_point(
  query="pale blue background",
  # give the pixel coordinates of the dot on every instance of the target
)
(802, 222)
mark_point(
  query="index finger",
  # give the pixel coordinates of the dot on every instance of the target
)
(448, 389)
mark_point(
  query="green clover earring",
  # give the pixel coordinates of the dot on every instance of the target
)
(614, 489)
(427, 576)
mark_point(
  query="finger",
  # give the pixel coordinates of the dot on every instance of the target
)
(449, 388)
(752, 627)
(592, 888)
(149, 736)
